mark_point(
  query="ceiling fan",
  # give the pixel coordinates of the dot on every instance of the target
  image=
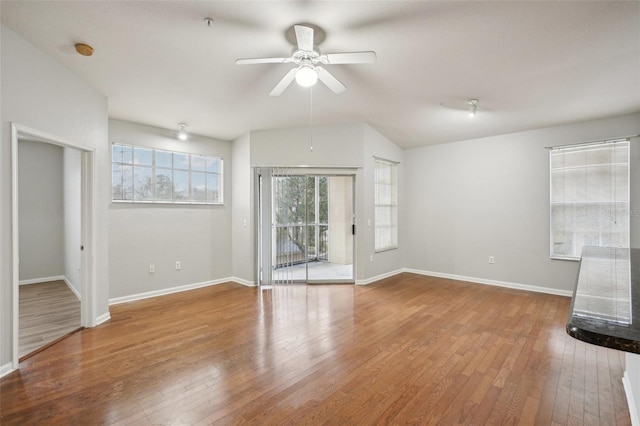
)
(309, 63)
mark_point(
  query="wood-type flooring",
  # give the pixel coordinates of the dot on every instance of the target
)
(48, 311)
(408, 349)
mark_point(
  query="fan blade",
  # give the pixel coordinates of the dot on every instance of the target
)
(349, 58)
(330, 81)
(284, 83)
(248, 61)
(304, 36)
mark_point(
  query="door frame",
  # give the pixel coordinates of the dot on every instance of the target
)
(88, 305)
(264, 221)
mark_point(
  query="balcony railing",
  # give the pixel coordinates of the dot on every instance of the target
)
(292, 239)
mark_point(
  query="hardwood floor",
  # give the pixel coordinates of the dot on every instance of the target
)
(48, 311)
(406, 350)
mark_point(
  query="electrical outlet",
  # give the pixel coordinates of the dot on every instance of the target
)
(371, 258)
(152, 268)
(491, 260)
(178, 265)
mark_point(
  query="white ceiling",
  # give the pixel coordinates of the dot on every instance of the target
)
(530, 63)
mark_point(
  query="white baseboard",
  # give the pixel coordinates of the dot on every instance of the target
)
(103, 318)
(42, 280)
(628, 391)
(379, 277)
(242, 281)
(72, 288)
(6, 369)
(516, 286)
(50, 279)
(165, 291)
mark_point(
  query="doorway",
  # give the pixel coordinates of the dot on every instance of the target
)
(49, 208)
(305, 227)
(80, 245)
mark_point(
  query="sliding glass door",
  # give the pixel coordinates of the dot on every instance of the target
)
(305, 227)
(334, 231)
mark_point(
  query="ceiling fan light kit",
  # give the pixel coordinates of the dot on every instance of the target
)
(308, 60)
(306, 75)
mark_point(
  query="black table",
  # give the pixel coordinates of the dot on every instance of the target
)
(605, 309)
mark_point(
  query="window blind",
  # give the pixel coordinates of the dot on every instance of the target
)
(589, 197)
(386, 205)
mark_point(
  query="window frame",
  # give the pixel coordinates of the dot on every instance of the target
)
(171, 171)
(393, 206)
(628, 200)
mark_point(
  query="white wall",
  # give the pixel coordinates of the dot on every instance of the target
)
(634, 176)
(199, 236)
(469, 200)
(377, 145)
(334, 146)
(631, 382)
(72, 218)
(243, 241)
(40, 210)
(42, 94)
(340, 145)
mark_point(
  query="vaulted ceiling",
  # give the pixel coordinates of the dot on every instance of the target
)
(531, 64)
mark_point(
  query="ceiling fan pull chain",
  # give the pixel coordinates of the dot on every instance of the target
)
(311, 118)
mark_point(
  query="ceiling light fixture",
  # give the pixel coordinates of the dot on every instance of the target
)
(473, 107)
(182, 133)
(306, 76)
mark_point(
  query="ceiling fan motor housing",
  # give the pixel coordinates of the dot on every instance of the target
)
(300, 56)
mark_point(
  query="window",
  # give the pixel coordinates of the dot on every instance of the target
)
(589, 197)
(153, 175)
(386, 205)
